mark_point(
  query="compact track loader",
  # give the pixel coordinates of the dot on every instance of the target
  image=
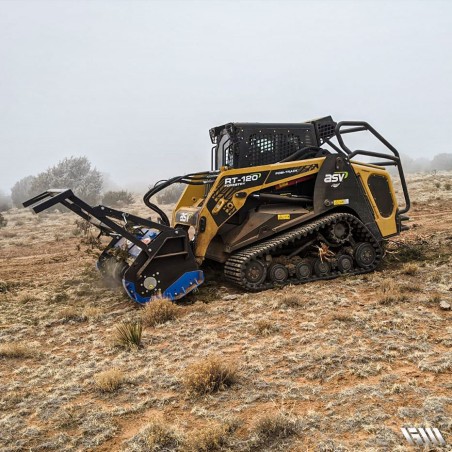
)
(282, 204)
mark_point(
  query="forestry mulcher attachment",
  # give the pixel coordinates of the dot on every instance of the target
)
(282, 204)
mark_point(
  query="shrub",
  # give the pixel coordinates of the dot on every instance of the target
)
(109, 380)
(21, 191)
(171, 194)
(159, 311)
(5, 202)
(117, 198)
(209, 375)
(3, 221)
(128, 335)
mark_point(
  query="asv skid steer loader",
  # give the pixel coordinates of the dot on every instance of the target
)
(282, 204)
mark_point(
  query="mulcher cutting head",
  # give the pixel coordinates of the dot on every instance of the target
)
(149, 259)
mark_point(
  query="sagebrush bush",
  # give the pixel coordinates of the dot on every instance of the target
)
(117, 198)
(75, 173)
(21, 191)
(5, 202)
(109, 380)
(128, 335)
(209, 375)
(3, 221)
(171, 194)
(159, 311)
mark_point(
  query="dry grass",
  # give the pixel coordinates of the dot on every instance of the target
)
(265, 327)
(290, 301)
(109, 380)
(158, 312)
(16, 350)
(272, 428)
(71, 313)
(365, 368)
(92, 313)
(392, 294)
(209, 438)
(128, 335)
(410, 269)
(160, 436)
(209, 375)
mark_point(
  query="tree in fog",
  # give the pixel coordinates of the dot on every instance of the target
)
(442, 162)
(5, 202)
(21, 191)
(75, 173)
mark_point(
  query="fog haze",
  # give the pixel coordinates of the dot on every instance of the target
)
(136, 85)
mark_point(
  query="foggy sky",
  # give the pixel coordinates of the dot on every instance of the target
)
(136, 85)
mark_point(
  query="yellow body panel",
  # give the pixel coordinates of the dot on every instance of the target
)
(224, 200)
(387, 225)
(236, 203)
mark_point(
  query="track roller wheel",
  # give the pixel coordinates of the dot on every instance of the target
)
(345, 263)
(365, 254)
(278, 273)
(303, 269)
(322, 268)
(339, 232)
(255, 272)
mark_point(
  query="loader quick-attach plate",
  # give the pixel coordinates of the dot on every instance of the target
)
(149, 259)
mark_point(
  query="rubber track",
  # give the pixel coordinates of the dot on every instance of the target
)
(234, 267)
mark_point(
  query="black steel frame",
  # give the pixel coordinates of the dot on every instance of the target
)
(101, 217)
(345, 127)
(206, 178)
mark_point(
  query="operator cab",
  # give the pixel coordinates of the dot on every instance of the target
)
(243, 145)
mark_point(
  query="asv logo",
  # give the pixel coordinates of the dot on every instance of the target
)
(241, 180)
(335, 178)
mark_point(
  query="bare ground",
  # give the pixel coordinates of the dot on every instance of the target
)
(337, 365)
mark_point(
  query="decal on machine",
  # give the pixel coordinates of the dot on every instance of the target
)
(341, 202)
(238, 181)
(335, 178)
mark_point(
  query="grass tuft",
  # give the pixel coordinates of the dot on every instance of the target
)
(128, 335)
(70, 313)
(291, 301)
(109, 380)
(210, 438)
(272, 428)
(159, 436)
(410, 269)
(15, 350)
(158, 312)
(265, 327)
(209, 375)
(3, 287)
